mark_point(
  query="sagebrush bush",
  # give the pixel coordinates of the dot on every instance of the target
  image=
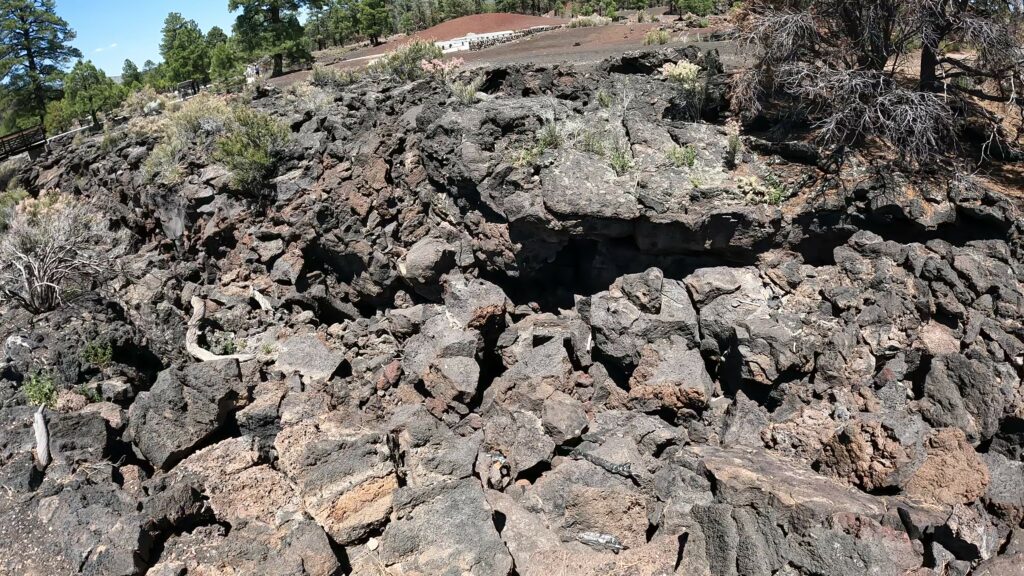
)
(54, 246)
(547, 138)
(687, 76)
(40, 389)
(324, 77)
(404, 62)
(9, 170)
(733, 150)
(201, 117)
(163, 165)
(767, 191)
(251, 149)
(589, 21)
(656, 37)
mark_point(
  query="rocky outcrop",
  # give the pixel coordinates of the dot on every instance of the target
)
(526, 335)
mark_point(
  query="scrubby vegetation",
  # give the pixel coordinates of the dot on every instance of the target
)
(656, 37)
(251, 148)
(620, 158)
(98, 354)
(466, 92)
(54, 248)
(405, 63)
(682, 156)
(326, 77)
(245, 141)
(40, 389)
(840, 69)
(589, 21)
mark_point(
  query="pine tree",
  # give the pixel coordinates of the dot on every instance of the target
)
(183, 46)
(130, 74)
(215, 36)
(89, 91)
(374, 20)
(271, 27)
(35, 46)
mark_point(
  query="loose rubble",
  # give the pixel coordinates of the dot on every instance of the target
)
(441, 359)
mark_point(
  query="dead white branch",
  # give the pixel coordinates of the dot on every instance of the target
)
(192, 336)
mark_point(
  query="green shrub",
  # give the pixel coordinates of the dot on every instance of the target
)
(656, 36)
(604, 99)
(109, 141)
(324, 77)
(733, 150)
(592, 141)
(251, 149)
(696, 7)
(620, 159)
(162, 166)
(137, 102)
(767, 191)
(98, 354)
(8, 200)
(200, 118)
(548, 137)
(682, 156)
(465, 92)
(9, 170)
(404, 62)
(40, 389)
(91, 394)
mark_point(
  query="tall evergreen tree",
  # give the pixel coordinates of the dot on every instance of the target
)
(216, 36)
(130, 74)
(272, 28)
(35, 46)
(183, 46)
(374, 20)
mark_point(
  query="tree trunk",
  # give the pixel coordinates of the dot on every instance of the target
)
(33, 74)
(275, 23)
(928, 63)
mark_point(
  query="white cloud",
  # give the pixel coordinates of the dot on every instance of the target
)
(114, 45)
(99, 50)
(104, 49)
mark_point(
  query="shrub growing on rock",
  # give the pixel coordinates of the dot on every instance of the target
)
(251, 149)
(682, 156)
(465, 92)
(687, 76)
(54, 247)
(40, 389)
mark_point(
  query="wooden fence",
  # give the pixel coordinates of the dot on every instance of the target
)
(19, 142)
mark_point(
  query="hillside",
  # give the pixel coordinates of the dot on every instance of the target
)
(569, 325)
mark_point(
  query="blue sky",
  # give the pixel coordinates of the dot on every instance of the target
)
(111, 30)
